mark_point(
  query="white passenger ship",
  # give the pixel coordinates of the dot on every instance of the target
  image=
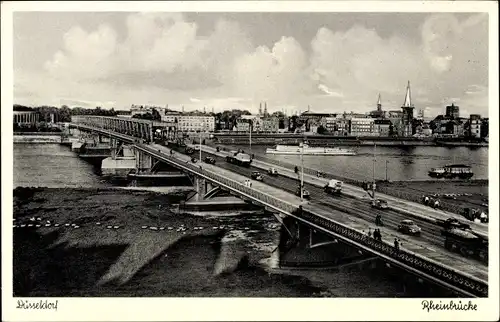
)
(290, 149)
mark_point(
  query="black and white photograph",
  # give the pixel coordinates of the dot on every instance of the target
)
(189, 151)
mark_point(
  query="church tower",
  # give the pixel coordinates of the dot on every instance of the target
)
(407, 113)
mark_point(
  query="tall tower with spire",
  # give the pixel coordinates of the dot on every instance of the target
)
(379, 103)
(407, 113)
(265, 109)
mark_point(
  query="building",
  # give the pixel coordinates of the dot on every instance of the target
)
(310, 118)
(452, 111)
(336, 125)
(421, 114)
(258, 124)
(475, 125)
(378, 113)
(170, 116)
(396, 118)
(381, 127)
(195, 123)
(270, 124)
(26, 117)
(407, 119)
(362, 127)
(242, 125)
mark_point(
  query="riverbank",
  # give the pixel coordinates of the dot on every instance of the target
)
(110, 242)
(326, 141)
(36, 137)
(115, 242)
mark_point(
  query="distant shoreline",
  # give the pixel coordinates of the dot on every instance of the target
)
(37, 138)
(334, 141)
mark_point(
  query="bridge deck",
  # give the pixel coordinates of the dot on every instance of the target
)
(409, 207)
(413, 244)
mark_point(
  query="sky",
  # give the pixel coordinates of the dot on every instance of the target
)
(332, 62)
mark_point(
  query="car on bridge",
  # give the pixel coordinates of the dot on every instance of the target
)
(305, 193)
(409, 227)
(209, 160)
(272, 172)
(257, 176)
(380, 204)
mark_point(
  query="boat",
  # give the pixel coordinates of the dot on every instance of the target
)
(452, 171)
(307, 150)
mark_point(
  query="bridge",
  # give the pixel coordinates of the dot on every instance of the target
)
(318, 224)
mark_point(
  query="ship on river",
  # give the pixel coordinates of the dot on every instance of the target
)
(452, 171)
(307, 150)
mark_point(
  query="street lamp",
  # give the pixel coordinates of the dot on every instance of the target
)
(251, 125)
(386, 162)
(374, 160)
(302, 172)
(201, 128)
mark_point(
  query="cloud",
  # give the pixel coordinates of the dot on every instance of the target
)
(328, 91)
(272, 72)
(165, 58)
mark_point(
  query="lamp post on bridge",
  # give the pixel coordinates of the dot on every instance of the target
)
(374, 160)
(201, 129)
(250, 123)
(386, 177)
(302, 172)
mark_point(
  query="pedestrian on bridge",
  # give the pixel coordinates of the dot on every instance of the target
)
(377, 235)
(369, 232)
(396, 243)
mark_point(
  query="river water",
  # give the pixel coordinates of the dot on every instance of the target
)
(399, 163)
(52, 165)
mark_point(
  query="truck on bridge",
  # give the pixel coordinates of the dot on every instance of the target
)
(239, 158)
(333, 187)
(461, 238)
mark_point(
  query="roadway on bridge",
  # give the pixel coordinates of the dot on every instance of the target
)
(418, 212)
(359, 207)
(411, 208)
(357, 214)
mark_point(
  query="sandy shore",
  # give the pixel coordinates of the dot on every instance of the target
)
(110, 242)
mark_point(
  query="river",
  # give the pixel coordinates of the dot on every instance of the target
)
(56, 166)
(408, 163)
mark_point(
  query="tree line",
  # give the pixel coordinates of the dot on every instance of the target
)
(64, 113)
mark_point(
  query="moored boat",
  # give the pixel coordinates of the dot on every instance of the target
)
(452, 171)
(307, 150)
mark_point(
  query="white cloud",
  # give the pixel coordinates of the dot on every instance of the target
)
(351, 67)
(328, 91)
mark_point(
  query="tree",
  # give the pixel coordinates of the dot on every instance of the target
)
(156, 115)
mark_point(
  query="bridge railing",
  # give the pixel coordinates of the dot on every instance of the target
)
(411, 259)
(133, 127)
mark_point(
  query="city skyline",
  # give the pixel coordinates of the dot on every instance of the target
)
(332, 62)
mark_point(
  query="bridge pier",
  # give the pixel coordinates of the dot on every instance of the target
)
(143, 160)
(119, 166)
(302, 246)
(208, 197)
